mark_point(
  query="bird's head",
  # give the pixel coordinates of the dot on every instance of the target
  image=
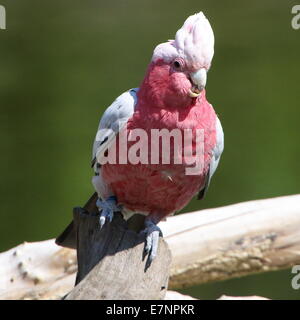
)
(178, 70)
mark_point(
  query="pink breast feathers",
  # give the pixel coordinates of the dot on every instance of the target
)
(163, 188)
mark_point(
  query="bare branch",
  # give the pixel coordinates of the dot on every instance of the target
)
(207, 245)
(234, 241)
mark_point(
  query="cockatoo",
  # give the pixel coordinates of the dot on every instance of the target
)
(171, 96)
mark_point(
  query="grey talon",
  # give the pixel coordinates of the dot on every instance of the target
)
(153, 233)
(107, 208)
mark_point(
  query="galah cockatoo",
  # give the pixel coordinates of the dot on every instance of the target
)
(171, 96)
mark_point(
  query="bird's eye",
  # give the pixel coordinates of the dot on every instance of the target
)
(177, 65)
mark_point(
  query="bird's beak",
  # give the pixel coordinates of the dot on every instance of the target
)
(199, 81)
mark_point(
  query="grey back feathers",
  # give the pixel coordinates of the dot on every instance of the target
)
(113, 120)
(216, 155)
(219, 147)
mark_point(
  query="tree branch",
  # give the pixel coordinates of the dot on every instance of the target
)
(112, 264)
(207, 245)
(233, 241)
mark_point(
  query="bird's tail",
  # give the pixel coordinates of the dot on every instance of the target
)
(68, 237)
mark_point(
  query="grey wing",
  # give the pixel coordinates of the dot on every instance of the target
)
(113, 120)
(217, 151)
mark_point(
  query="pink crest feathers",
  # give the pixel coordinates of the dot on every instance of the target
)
(194, 42)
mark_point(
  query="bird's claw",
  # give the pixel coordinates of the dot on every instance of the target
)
(107, 208)
(153, 233)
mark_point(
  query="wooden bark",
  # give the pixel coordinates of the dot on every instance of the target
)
(38, 270)
(233, 241)
(111, 263)
(207, 245)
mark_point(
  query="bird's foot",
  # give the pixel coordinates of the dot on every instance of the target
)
(153, 233)
(107, 208)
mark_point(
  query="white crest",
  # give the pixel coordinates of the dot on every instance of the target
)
(194, 42)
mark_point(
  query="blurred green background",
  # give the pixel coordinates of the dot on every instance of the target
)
(63, 62)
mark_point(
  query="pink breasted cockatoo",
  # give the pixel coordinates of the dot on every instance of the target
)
(171, 96)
